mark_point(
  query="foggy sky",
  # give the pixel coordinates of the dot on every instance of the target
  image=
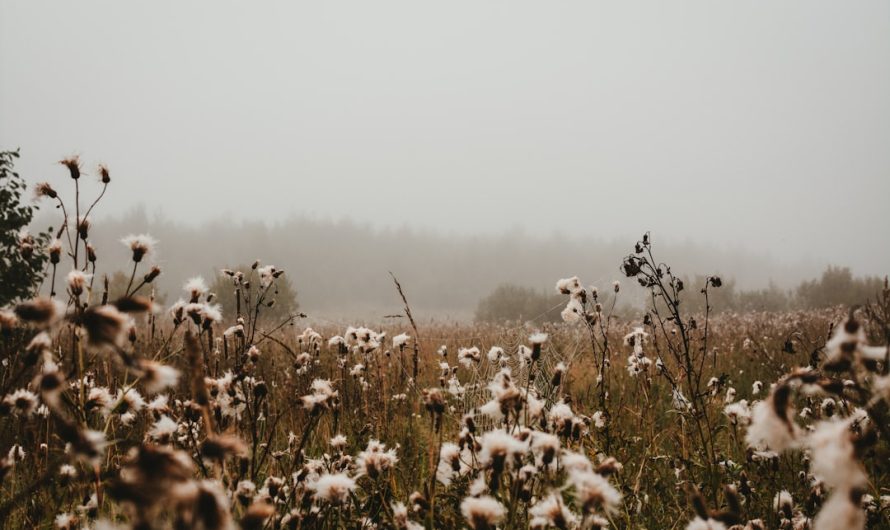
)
(761, 125)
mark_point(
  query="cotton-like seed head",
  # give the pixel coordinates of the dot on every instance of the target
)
(43, 189)
(73, 165)
(140, 245)
(333, 488)
(104, 174)
(221, 447)
(106, 327)
(55, 251)
(40, 312)
(482, 513)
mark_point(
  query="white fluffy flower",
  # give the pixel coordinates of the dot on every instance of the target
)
(840, 512)
(333, 488)
(551, 512)
(768, 429)
(482, 512)
(593, 492)
(832, 455)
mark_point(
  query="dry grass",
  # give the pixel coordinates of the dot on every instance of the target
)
(120, 413)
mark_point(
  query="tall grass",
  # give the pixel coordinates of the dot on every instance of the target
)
(117, 413)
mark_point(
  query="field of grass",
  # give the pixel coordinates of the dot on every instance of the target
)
(121, 414)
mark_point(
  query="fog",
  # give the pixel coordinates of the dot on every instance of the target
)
(536, 138)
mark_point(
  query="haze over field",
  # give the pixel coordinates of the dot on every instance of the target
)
(757, 129)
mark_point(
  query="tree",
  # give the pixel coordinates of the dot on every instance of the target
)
(22, 255)
(838, 286)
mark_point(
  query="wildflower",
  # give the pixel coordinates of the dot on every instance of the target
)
(104, 174)
(848, 343)
(98, 398)
(450, 463)
(783, 504)
(770, 424)
(569, 285)
(635, 339)
(506, 396)
(499, 449)
(156, 376)
(158, 405)
(730, 395)
(525, 355)
(211, 505)
(375, 459)
(756, 387)
(400, 518)
(593, 491)
(338, 442)
(321, 397)
(127, 404)
(140, 245)
(43, 189)
(22, 402)
(106, 327)
(152, 273)
(469, 356)
(738, 413)
(572, 312)
(545, 445)
(434, 401)
(399, 341)
(40, 312)
(16, 453)
(833, 455)
(841, 512)
(245, 491)
(234, 331)
(196, 288)
(550, 512)
(84, 444)
(73, 165)
(220, 447)
(66, 521)
(67, 473)
(558, 371)
(163, 429)
(537, 340)
(55, 251)
(267, 274)
(83, 227)
(609, 466)
(333, 488)
(561, 418)
(705, 524)
(494, 354)
(482, 513)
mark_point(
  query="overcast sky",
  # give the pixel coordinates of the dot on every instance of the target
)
(759, 124)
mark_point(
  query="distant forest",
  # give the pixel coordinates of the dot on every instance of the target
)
(342, 268)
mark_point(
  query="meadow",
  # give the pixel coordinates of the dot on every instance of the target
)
(120, 413)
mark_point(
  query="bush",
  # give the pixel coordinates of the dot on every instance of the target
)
(509, 302)
(22, 255)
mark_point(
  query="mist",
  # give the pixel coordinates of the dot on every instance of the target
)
(464, 144)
